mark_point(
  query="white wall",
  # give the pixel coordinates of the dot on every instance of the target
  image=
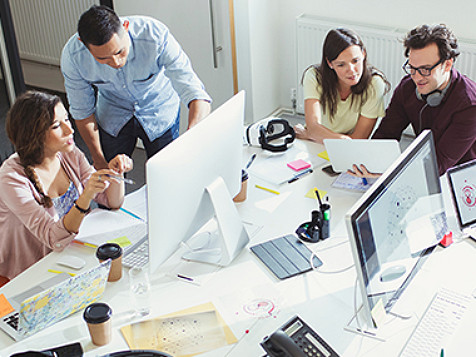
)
(272, 34)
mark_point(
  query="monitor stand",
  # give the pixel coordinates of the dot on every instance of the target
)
(355, 326)
(358, 326)
(222, 244)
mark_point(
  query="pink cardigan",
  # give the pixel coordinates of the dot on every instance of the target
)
(28, 230)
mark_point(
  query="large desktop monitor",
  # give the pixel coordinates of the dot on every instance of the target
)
(190, 185)
(395, 224)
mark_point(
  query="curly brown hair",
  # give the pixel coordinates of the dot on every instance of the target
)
(28, 121)
(442, 36)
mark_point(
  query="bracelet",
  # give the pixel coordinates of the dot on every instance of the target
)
(82, 210)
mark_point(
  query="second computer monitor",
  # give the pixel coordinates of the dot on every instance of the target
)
(191, 183)
(394, 223)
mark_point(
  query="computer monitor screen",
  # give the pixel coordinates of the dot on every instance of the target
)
(462, 180)
(395, 223)
(191, 183)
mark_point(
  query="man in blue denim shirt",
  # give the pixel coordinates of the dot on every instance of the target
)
(124, 79)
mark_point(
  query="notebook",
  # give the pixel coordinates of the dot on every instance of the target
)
(462, 180)
(49, 306)
(376, 154)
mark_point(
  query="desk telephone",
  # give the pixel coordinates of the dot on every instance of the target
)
(296, 339)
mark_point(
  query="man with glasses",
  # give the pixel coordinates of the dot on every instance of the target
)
(434, 96)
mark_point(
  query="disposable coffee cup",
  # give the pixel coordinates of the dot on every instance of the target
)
(98, 318)
(111, 251)
(241, 196)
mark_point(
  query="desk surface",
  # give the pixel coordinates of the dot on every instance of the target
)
(324, 299)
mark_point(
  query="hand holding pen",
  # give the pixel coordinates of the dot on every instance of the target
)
(121, 163)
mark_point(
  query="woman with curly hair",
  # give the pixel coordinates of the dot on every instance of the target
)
(47, 185)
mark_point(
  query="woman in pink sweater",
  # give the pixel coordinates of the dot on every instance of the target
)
(47, 185)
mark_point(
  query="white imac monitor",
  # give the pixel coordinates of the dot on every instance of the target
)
(190, 186)
(395, 224)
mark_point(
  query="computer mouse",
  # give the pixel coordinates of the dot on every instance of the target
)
(392, 273)
(71, 261)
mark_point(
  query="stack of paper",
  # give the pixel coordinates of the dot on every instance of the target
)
(101, 226)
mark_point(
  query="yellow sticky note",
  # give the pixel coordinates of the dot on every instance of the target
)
(324, 155)
(122, 241)
(379, 315)
(5, 306)
(312, 193)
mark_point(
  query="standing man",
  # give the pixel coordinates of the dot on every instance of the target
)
(434, 96)
(124, 79)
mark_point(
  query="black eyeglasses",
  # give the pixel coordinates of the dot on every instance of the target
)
(424, 71)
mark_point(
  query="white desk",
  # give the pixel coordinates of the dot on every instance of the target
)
(324, 301)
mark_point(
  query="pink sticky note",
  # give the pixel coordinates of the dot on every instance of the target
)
(299, 165)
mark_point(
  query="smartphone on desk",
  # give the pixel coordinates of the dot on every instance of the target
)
(296, 339)
(330, 171)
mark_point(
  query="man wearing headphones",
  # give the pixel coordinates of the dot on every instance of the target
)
(434, 96)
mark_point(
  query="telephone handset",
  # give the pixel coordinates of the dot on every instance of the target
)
(296, 339)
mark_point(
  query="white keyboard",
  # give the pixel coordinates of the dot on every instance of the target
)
(440, 321)
(137, 256)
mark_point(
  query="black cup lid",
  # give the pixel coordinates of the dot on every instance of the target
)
(109, 250)
(97, 313)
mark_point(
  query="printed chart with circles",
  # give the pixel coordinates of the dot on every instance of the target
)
(260, 308)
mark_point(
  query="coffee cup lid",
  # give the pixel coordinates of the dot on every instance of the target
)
(109, 250)
(97, 313)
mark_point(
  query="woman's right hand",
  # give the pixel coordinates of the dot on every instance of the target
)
(98, 182)
(301, 132)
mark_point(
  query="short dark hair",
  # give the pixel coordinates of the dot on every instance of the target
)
(440, 35)
(97, 25)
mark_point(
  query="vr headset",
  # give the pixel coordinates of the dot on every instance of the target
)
(263, 132)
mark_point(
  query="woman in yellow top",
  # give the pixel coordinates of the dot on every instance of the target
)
(343, 96)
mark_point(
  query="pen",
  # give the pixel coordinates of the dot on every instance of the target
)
(299, 175)
(364, 181)
(60, 272)
(120, 178)
(318, 198)
(130, 213)
(85, 244)
(187, 279)
(267, 189)
(250, 161)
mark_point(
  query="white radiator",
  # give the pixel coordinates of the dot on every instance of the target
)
(384, 49)
(42, 27)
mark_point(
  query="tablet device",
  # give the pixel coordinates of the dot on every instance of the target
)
(376, 154)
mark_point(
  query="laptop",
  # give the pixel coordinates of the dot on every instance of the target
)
(42, 309)
(462, 180)
(376, 154)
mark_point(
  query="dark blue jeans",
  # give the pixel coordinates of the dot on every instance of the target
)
(126, 140)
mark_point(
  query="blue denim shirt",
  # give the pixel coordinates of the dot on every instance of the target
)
(148, 86)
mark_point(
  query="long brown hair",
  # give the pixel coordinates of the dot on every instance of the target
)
(336, 41)
(28, 121)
